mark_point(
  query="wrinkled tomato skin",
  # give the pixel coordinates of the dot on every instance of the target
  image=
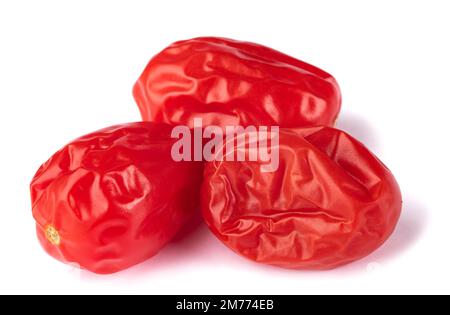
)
(229, 82)
(115, 197)
(330, 202)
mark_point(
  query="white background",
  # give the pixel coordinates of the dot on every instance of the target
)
(67, 68)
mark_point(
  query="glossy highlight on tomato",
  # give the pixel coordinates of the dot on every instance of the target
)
(114, 198)
(229, 82)
(330, 202)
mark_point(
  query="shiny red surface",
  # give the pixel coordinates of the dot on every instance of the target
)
(115, 197)
(228, 82)
(330, 202)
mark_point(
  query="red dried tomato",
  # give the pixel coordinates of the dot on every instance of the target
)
(330, 202)
(114, 198)
(228, 82)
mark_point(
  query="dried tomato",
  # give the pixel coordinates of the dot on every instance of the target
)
(330, 202)
(105, 201)
(228, 82)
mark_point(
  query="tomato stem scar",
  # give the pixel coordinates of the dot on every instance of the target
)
(52, 235)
